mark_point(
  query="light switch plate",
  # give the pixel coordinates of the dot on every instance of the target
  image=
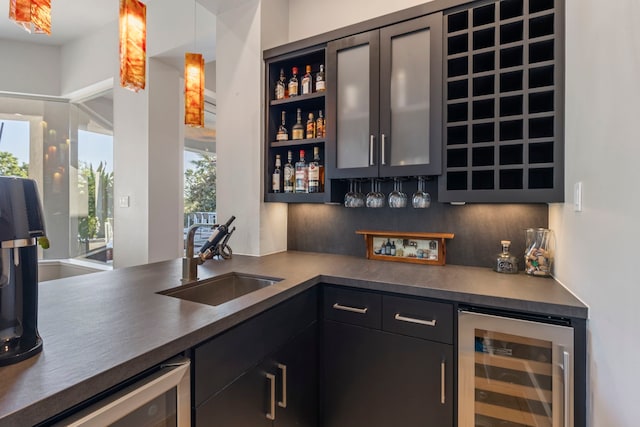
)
(124, 201)
(577, 196)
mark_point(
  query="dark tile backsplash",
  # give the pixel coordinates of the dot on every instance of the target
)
(478, 228)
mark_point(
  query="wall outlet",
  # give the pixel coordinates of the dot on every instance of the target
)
(124, 201)
(577, 196)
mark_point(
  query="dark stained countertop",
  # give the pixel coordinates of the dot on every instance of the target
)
(101, 329)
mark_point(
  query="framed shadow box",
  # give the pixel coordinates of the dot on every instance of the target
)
(413, 247)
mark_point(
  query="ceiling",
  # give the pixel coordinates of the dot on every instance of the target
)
(73, 19)
(70, 19)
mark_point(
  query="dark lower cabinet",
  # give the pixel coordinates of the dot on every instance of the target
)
(252, 401)
(375, 378)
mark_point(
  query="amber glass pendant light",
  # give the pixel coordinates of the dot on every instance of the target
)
(32, 13)
(133, 44)
(194, 83)
(193, 89)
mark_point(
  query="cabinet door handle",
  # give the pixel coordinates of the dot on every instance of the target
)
(371, 163)
(283, 369)
(402, 318)
(566, 374)
(442, 383)
(272, 399)
(382, 150)
(351, 309)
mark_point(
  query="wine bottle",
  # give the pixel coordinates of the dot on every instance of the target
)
(320, 82)
(320, 130)
(275, 178)
(218, 234)
(283, 133)
(302, 177)
(311, 127)
(281, 86)
(297, 131)
(289, 174)
(314, 172)
(293, 82)
(307, 81)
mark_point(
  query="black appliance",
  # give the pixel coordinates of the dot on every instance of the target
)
(21, 223)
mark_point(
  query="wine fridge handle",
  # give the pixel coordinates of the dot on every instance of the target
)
(371, 163)
(351, 309)
(271, 415)
(382, 149)
(442, 382)
(283, 402)
(566, 373)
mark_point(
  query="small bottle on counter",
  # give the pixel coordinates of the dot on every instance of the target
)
(505, 262)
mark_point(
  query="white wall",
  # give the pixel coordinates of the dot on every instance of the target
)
(89, 60)
(597, 247)
(310, 17)
(29, 68)
(261, 227)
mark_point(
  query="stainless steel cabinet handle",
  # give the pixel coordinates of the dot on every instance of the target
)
(283, 402)
(272, 399)
(442, 387)
(371, 163)
(402, 318)
(351, 309)
(567, 378)
(382, 150)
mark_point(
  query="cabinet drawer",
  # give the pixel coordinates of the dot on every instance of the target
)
(354, 307)
(418, 318)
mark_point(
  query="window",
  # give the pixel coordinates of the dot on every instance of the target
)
(68, 149)
(200, 175)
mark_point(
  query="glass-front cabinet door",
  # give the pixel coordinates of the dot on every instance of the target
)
(386, 89)
(352, 125)
(513, 372)
(411, 97)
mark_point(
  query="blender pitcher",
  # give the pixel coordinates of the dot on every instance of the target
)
(538, 256)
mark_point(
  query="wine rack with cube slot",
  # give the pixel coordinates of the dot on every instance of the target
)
(503, 136)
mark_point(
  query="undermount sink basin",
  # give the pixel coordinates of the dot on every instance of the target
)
(221, 289)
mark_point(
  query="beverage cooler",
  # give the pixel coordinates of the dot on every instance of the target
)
(514, 372)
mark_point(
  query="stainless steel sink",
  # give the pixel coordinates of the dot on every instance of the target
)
(221, 289)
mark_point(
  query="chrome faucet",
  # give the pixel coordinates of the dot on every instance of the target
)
(190, 262)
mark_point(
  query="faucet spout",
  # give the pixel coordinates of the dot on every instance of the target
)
(190, 262)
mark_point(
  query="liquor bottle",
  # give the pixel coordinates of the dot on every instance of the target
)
(307, 81)
(275, 178)
(320, 130)
(281, 86)
(283, 133)
(505, 262)
(387, 247)
(393, 248)
(297, 131)
(302, 177)
(320, 82)
(293, 82)
(311, 127)
(289, 174)
(314, 172)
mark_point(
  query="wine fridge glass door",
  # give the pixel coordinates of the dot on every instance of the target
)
(513, 371)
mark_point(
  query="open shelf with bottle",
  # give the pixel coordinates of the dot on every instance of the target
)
(294, 122)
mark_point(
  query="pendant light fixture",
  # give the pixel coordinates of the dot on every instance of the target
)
(194, 84)
(193, 89)
(32, 13)
(133, 44)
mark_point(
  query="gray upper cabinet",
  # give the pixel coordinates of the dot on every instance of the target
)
(503, 83)
(385, 87)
